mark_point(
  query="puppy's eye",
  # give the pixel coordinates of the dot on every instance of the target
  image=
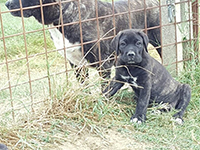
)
(122, 44)
(138, 43)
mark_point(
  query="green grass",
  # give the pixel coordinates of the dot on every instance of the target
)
(78, 108)
(37, 63)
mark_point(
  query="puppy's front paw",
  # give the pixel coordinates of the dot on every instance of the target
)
(135, 120)
(178, 121)
(138, 119)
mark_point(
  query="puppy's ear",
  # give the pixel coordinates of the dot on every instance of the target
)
(115, 43)
(145, 40)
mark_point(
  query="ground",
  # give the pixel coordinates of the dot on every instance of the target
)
(111, 140)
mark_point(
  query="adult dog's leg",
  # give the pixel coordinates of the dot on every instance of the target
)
(183, 101)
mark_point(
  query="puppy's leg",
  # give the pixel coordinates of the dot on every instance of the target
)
(81, 73)
(182, 102)
(105, 74)
(142, 104)
(112, 88)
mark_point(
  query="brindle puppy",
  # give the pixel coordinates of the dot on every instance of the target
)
(147, 77)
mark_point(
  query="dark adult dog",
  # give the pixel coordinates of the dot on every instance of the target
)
(147, 77)
(70, 13)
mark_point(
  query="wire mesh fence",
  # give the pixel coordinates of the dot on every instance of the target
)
(36, 56)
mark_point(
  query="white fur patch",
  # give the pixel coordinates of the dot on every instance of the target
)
(135, 120)
(133, 83)
(73, 54)
(178, 121)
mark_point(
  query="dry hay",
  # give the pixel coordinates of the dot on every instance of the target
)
(81, 108)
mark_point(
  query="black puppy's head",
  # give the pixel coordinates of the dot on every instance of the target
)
(130, 44)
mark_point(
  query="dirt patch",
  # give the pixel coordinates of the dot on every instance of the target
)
(110, 140)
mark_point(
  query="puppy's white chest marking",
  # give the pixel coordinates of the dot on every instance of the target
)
(73, 54)
(130, 79)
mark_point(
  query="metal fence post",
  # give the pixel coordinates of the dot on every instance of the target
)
(195, 16)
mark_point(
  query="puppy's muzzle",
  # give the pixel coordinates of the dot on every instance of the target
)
(131, 57)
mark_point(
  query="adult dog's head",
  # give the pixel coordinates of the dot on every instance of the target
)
(130, 45)
(15, 4)
(33, 8)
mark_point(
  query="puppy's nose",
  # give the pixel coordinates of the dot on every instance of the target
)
(131, 53)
